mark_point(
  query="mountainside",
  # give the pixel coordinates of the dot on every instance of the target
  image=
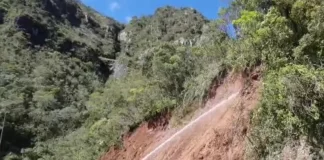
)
(73, 83)
(50, 62)
(62, 26)
(55, 54)
(214, 132)
(179, 27)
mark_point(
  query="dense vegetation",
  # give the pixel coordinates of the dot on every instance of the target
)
(72, 82)
(50, 63)
(286, 37)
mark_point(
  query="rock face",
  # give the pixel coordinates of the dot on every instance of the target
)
(123, 36)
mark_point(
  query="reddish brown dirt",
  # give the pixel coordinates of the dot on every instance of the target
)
(145, 136)
(219, 136)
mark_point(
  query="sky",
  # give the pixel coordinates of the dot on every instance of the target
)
(124, 10)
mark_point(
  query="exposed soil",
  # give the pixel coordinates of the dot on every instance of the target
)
(218, 132)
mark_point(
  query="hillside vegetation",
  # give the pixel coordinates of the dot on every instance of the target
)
(72, 82)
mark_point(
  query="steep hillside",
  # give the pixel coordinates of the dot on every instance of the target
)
(282, 37)
(50, 62)
(181, 27)
(168, 24)
(159, 67)
(73, 82)
(63, 26)
(58, 81)
(216, 131)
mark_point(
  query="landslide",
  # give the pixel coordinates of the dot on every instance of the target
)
(70, 76)
(220, 134)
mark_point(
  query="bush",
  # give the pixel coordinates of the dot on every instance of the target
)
(291, 107)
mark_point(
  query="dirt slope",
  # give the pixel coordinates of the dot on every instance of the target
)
(216, 131)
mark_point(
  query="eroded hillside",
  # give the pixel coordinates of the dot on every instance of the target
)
(216, 131)
(58, 63)
(73, 83)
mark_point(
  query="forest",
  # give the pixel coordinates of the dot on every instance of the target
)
(73, 82)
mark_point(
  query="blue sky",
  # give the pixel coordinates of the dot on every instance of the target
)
(123, 10)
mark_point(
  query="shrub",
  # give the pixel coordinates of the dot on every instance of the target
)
(291, 107)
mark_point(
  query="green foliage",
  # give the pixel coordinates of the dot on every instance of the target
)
(63, 102)
(310, 47)
(291, 107)
(247, 20)
(266, 40)
(170, 67)
(48, 69)
(210, 66)
(47, 101)
(55, 62)
(113, 111)
(275, 33)
(135, 95)
(168, 24)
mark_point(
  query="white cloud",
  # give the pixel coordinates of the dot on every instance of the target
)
(114, 6)
(128, 19)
